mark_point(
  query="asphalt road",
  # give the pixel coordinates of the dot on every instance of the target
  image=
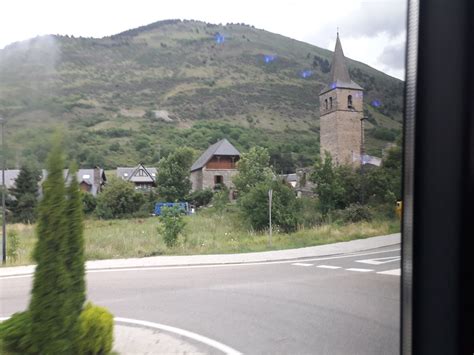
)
(335, 305)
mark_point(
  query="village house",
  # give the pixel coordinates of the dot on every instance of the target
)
(90, 180)
(215, 167)
(143, 177)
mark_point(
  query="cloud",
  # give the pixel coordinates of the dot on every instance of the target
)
(393, 56)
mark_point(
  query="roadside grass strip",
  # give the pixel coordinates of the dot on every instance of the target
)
(359, 270)
(395, 272)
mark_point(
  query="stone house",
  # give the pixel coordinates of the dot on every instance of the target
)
(215, 167)
(143, 177)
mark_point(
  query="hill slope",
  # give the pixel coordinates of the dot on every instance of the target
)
(137, 95)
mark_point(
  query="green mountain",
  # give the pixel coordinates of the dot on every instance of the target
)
(137, 95)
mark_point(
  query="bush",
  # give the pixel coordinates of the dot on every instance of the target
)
(96, 327)
(285, 209)
(220, 200)
(118, 200)
(89, 202)
(354, 213)
(15, 334)
(200, 197)
(172, 225)
(13, 245)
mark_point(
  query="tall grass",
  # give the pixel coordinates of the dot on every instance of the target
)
(205, 233)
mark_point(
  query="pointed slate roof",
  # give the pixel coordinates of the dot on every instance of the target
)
(131, 173)
(339, 75)
(223, 147)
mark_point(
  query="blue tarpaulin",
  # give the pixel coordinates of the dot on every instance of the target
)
(181, 205)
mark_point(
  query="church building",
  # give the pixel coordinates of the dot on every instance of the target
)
(341, 114)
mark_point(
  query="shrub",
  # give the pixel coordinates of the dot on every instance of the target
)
(201, 197)
(89, 202)
(13, 245)
(15, 334)
(354, 213)
(96, 327)
(118, 200)
(220, 200)
(172, 224)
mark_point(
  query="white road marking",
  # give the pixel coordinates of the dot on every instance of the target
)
(302, 264)
(153, 268)
(328, 267)
(359, 270)
(395, 272)
(380, 261)
(185, 333)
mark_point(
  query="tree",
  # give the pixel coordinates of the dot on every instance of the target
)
(75, 259)
(285, 209)
(254, 168)
(329, 185)
(52, 327)
(25, 193)
(173, 175)
(118, 200)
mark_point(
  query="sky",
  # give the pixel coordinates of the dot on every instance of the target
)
(373, 32)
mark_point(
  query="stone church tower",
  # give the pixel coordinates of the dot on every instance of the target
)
(341, 114)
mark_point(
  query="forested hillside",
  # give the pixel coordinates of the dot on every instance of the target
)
(135, 96)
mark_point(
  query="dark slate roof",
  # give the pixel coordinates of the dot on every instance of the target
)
(82, 175)
(10, 177)
(223, 147)
(339, 75)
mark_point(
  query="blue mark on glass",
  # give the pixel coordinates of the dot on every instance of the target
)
(219, 38)
(376, 103)
(268, 58)
(333, 85)
(306, 74)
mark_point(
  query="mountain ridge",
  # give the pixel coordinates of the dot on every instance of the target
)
(205, 79)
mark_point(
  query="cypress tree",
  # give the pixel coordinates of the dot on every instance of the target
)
(51, 323)
(75, 249)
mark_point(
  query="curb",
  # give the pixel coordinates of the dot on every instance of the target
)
(352, 246)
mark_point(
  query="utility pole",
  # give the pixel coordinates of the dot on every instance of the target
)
(4, 215)
(270, 195)
(362, 153)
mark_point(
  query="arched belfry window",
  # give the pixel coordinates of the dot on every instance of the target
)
(330, 102)
(349, 101)
(326, 103)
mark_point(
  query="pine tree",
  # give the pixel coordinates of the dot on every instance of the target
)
(75, 248)
(52, 326)
(25, 192)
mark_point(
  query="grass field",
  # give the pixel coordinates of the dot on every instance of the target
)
(205, 233)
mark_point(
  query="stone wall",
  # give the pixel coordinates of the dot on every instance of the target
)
(208, 177)
(196, 180)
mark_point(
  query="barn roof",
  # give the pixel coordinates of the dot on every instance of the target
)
(223, 147)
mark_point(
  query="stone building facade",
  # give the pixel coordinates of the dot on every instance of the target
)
(215, 167)
(341, 114)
